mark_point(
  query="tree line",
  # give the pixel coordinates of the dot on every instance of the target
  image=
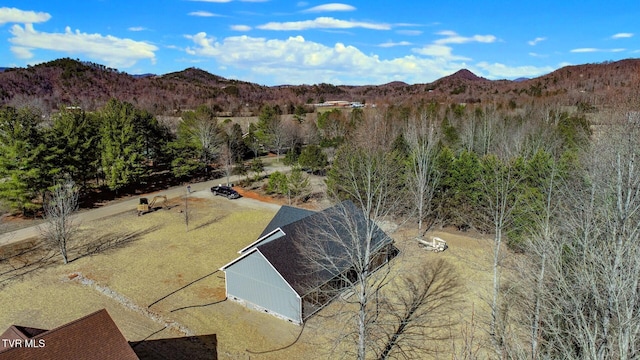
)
(445, 157)
(563, 197)
(117, 148)
(122, 148)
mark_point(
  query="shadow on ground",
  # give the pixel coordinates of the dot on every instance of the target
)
(203, 347)
(107, 242)
(28, 256)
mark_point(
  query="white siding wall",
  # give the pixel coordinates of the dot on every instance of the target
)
(253, 280)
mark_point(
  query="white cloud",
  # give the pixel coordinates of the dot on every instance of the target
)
(323, 23)
(295, 60)
(330, 7)
(203, 14)
(13, 15)
(584, 50)
(622, 35)
(409, 32)
(21, 52)
(137, 28)
(205, 44)
(538, 55)
(389, 44)
(440, 48)
(451, 37)
(592, 50)
(115, 52)
(240, 27)
(502, 71)
(440, 51)
(535, 41)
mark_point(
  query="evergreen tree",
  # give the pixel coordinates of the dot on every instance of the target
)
(73, 145)
(122, 146)
(257, 166)
(185, 162)
(298, 185)
(300, 113)
(401, 147)
(154, 136)
(278, 183)
(461, 186)
(22, 152)
(291, 157)
(312, 157)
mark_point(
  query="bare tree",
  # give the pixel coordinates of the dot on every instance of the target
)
(207, 134)
(274, 131)
(201, 127)
(368, 177)
(291, 133)
(538, 248)
(593, 292)
(500, 198)
(525, 307)
(580, 285)
(468, 129)
(187, 212)
(423, 177)
(60, 228)
(486, 131)
(227, 159)
(387, 312)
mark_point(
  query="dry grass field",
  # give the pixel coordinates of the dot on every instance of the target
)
(127, 263)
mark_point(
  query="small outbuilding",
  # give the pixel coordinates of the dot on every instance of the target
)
(273, 274)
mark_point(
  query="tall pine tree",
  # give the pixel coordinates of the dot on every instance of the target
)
(122, 147)
(73, 145)
(22, 152)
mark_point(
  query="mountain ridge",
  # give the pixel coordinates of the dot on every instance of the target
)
(89, 85)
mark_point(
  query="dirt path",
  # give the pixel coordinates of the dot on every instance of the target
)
(121, 206)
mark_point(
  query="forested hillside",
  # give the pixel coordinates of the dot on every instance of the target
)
(67, 82)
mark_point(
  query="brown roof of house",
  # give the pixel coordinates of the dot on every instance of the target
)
(93, 337)
(17, 333)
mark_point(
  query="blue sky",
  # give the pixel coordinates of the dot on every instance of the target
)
(274, 42)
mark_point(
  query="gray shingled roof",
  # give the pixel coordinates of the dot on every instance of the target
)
(285, 253)
(285, 216)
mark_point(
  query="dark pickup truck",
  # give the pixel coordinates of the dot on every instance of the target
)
(226, 191)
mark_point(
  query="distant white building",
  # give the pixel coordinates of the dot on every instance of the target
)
(340, 103)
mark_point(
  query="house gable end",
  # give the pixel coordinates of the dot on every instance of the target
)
(253, 280)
